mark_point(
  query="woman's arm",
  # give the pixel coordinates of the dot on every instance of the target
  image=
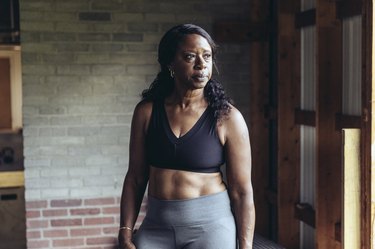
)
(137, 176)
(238, 168)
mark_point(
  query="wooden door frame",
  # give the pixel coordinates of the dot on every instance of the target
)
(367, 124)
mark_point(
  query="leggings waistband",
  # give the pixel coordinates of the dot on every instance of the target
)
(199, 210)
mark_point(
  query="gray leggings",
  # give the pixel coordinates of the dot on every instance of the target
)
(200, 223)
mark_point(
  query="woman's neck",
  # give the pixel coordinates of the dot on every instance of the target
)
(187, 98)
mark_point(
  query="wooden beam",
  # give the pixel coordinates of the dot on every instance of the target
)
(259, 94)
(233, 31)
(347, 121)
(272, 197)
(303, 117)
(348, 8)
(12, 179)
(338, 233)
(329, 96)
(305, 18)
(305, 213)
(368, 123)
(288, 132)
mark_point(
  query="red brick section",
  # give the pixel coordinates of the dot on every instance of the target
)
(75, 223)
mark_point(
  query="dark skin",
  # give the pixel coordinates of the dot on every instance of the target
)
(192, 68)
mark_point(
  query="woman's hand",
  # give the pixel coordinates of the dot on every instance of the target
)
(127, 245)
(125, 241)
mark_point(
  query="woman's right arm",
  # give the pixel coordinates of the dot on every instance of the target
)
(137, 176)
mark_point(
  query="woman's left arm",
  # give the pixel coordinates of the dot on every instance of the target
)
(238, 169)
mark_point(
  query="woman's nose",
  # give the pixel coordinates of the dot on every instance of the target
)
(200, 63)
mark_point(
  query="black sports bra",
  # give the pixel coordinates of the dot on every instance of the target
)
(199, 150)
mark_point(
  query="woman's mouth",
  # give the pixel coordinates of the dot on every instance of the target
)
(200, 77)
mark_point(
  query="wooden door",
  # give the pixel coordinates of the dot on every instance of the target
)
(5, 99)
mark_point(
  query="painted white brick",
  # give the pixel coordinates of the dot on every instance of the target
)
(127, 17)
(84, 171)
(85, 151)
(108, 69)
(99, 119)
(29, 131)
(95, 160)
(36, 183)
(162, 17)
(38, 47)
(108, 89)
(38, 69)
(68, 161)
(112, 191)
(66, 120)
(83, 131)
(37, 26)
(52, 131)
(85, 192)
(37, 162)
(32, 194)
(143, 69)
(32, 172)
(101, 140)
(54, 193)
(104, 181)
(60, 182)
(52, 150)
(60, 172)
(114, 150)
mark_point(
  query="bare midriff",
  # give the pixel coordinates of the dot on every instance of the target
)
(170, 184)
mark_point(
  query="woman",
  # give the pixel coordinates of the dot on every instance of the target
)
(182, 131)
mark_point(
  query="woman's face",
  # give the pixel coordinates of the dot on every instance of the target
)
(192, 64)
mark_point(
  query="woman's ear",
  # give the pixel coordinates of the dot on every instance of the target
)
(171, 72)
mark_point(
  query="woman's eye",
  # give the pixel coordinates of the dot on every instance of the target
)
(189, 57)
(207, 56)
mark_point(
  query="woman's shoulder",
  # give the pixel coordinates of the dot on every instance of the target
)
(142, 111)
(234, 122)
(144, 106)
(234, 116)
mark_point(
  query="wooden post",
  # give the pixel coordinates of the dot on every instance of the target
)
(259, 123)
(288, 130)
(329, 95)
(368, 128)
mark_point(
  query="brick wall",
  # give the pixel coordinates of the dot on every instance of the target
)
(84, 65)
(74, 223)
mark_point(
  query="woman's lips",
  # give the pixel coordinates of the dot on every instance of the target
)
(200, 77)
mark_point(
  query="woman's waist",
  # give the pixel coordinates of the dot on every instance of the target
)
(168, 184)
(198, 210)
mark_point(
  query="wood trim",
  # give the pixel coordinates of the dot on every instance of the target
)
(233, 31)
(304, 117)
(348, 8)
(259, 94)
(305, 18)
(12, 179)
(347, 121)
(288, 157)
(271, 197)
(5, 94)
(329, 140)
(338, 232)
(367, 132)
(14, 55)
(305, 213)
